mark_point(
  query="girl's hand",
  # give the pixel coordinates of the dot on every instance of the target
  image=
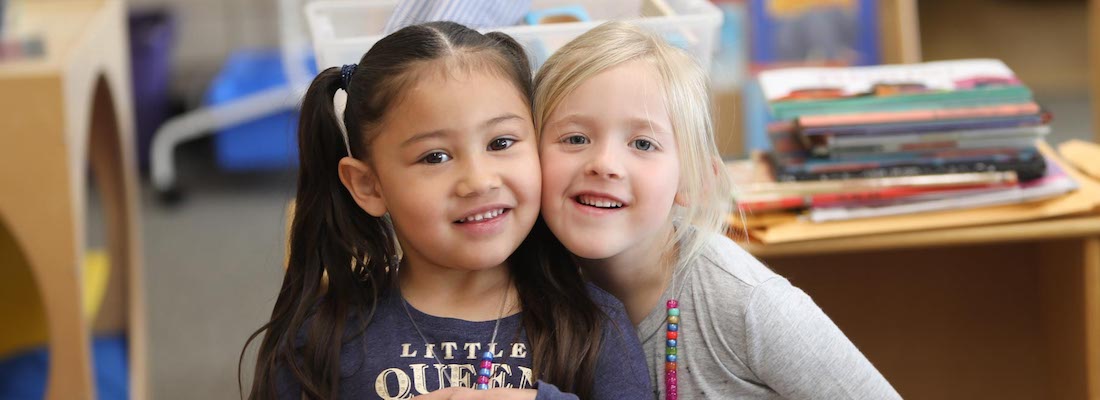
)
(464, 393)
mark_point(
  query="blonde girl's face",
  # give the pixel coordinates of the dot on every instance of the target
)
(610, 168)
(458, 171)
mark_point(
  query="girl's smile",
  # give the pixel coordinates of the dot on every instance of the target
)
(484, 221)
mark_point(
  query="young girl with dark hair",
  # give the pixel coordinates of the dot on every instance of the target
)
(413, 265)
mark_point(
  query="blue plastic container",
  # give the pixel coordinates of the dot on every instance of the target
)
(261, 144)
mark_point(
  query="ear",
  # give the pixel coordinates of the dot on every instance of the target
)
(680, 199)
(361, 181)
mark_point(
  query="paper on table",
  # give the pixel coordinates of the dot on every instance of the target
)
(1085, 156)
(1086, 198)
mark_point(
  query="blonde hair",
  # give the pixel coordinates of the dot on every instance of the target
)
(704, 182)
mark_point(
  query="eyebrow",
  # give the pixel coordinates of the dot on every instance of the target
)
(439, 133)
(637, 124)
(500, 118)
(574, 118)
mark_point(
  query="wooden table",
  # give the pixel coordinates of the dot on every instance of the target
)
(59, 114)
(994, 312)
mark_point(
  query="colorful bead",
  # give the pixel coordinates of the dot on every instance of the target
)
(671, 357)
(485, 369)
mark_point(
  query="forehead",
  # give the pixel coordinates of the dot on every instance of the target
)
(631, 90)
(454, 100)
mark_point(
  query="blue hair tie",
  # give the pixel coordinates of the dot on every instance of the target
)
(345, 75)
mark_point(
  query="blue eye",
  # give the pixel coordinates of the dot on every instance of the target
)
(642, 144)
(499, 144)
(437, 157)
(575, 139)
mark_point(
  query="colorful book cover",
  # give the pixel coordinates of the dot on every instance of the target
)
(942, 85)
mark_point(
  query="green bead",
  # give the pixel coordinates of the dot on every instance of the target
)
(674, 312)
(672, 319)
(671, 351)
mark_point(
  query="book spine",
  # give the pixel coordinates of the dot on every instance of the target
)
(816, 121)
(926, 127)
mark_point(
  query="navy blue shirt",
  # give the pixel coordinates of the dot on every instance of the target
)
(392, 361)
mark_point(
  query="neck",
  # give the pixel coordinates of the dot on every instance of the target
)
(462, 294)
(637, 276)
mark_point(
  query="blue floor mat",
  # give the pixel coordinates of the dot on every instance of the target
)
(23, 376)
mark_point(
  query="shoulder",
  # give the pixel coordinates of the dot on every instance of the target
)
(607, 302)
(723, 261)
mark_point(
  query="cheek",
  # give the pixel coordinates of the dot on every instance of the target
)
(556, 171)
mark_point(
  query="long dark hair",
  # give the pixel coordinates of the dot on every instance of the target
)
(339, 253)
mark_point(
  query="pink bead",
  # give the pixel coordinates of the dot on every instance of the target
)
(670, 373)
(482, 379)
(670, 380)
(485, 364)
(673, 303)
(670, 396)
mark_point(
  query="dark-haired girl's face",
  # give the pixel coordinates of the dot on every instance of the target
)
(458, 170)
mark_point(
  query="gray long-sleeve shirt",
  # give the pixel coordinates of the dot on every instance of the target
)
(746, 333)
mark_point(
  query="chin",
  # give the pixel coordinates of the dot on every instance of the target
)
(589, 249)
(477, 262)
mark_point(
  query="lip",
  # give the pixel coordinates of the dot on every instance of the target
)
(484, 227)
(596, 211)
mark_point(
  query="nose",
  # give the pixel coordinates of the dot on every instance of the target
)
(605, 163)
(477, 178)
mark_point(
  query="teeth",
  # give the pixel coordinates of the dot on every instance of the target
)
(598, 202)
(483, 216)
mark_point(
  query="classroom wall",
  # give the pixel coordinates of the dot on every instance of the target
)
(206, 32)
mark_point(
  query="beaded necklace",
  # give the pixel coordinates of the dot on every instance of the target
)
(677, 284)
(485, 366)
(672, 329)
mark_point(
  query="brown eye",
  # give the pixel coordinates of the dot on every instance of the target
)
(575, 139)
(499, 144)
(437, 157)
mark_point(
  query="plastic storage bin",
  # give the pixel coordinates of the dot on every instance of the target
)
(263, 143)
(343, 30)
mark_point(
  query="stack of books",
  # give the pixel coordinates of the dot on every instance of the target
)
(865, 141)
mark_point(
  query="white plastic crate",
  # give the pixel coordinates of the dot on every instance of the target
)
(343, 30)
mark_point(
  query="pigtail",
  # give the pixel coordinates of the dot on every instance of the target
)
(336, 266)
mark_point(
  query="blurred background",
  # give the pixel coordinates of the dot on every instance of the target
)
(209, 235)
